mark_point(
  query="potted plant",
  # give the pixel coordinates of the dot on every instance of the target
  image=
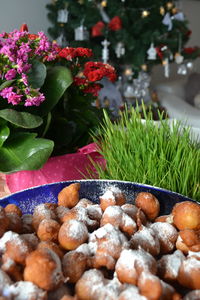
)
(47, 99)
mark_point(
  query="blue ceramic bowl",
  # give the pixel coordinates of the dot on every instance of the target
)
(90, 189)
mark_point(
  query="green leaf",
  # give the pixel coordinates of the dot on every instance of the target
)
(57, 81)
(4, 134)
(21, 119)
(24, 152)
(7, 83)
(37, 74)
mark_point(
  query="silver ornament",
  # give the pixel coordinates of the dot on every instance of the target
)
(105, 51)
(62, 16)
(81, 33)
(120, 49)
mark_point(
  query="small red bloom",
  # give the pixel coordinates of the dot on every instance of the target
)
(93, 89)
(33, 36)
(23, 27)
(80, 81)
(97, 29)
(86, 52)
(67, 53)
(115, 24)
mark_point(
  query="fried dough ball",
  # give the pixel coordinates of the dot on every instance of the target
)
(189, 273)
(132, 211)
(112, 196)
(69, 196)
(81, 214)
(27, 226)
(93, 286)
(149, 204)
(12, 208)
(4, 221)
(149, 286)
(95, 212)
(84, 203)
(169, 264)
(132, 263)
(193, 295)
(53, 246)
(74, 265)
(48, 230)
(15, 222)
(18, 248)
(186, 215)
(167, 235)
(147, 239)
(26, 290)
(11, 268)
(118, 218)
(72, 234)
(43, 211)
(43, 268)
(108, 243)
(188, 240)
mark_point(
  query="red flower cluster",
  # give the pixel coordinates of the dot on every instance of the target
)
(95, 71)
(190, 50)
(69, 53)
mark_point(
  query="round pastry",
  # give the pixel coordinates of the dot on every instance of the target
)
(107, 243)
(74, 265)
(186, 215)
(150, 286)
(169, 265)
(165, 218)
(4, 221)
(188, 240)
(15, 222)
(72, 234)
(132, 263)
(53, 246)
(48, 230)
(118, 218)
(135, 213)
(43, 268)
(112, 196)
(43, 211)
(189, 273)
(18, 248)
(167, 235)
(69, 196)
(14, 270)
(84, 203)
(149, 204)
(60, 212)
(12, 208)
(147, 239)
(62, 291)
(131, 292)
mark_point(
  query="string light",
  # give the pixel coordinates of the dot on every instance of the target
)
(144, 67)
(104, 3)
(145, 13)
(162, 10)
(174, 10)
(169, 5)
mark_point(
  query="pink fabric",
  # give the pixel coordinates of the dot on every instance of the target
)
(66, 167)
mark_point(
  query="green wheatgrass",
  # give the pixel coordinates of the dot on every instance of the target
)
(159, 155)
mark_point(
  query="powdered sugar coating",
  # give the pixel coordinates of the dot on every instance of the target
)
(25, 290)
(130, 293)
(5, 280)
(8, 236)
(76, 229)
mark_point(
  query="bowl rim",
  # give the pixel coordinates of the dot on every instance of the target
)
(101, 180)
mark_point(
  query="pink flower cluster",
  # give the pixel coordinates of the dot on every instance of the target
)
(17, 51)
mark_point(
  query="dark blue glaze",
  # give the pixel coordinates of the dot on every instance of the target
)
(91, 189)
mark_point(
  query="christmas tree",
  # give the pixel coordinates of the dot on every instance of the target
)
(138, 33)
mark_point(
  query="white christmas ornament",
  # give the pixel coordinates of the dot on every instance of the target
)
(182, 69)
(151, 52)
(167, 21)
(105, 51)
(120, 49)
(179, 58)
(61, 40)
(81, 33)
(62, 16)
(179, 17)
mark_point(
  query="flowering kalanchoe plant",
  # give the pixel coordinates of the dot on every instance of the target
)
(47, 97)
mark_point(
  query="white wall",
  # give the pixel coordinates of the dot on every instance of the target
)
(13, 13)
